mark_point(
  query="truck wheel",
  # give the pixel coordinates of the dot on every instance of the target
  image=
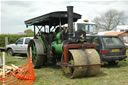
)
(112, 63)
(10, 52)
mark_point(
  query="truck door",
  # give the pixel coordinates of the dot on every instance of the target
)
(26, 44)
(19, 46)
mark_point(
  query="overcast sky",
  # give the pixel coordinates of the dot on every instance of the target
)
(15, 12)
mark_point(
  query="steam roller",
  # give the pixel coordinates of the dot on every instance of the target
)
(59, 45)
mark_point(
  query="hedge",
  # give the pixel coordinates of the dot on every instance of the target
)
(11, 38)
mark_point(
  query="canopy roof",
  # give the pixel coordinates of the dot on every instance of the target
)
(52, 19)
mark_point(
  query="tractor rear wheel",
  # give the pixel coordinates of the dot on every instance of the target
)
(38, 55)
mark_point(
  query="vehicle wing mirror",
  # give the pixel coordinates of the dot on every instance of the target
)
(16, 42)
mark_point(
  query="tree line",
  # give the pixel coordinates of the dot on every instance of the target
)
(109, 20)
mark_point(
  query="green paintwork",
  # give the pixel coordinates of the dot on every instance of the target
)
(27, 25)
(34, 54)
(58, 38)
(57, 47)
(58, 35)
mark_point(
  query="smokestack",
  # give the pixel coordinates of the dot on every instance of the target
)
(70, 21)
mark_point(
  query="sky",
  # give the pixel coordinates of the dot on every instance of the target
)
(15, 12)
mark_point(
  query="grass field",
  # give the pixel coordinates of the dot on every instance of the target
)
(110, 75)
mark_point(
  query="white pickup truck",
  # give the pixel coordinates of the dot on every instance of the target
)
(19, 47)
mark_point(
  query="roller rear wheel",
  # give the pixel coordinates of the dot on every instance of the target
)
(38, 55)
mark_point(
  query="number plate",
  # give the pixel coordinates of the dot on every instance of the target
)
(115, 50)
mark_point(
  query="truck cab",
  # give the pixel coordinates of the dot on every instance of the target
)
(20, 46)
(85, 25)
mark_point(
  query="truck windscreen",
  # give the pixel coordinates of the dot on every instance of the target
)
(89, 28)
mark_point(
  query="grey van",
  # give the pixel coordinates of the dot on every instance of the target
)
(110, 48)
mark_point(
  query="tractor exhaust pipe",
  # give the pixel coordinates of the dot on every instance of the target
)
(70, 22)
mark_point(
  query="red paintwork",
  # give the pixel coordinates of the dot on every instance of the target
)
(70, 46)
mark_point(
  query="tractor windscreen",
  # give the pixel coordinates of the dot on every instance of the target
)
(89, 28)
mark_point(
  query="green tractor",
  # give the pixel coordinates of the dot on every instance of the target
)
(56, 44)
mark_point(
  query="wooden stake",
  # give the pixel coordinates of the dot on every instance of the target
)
(6, 41)
(3, 53)
(30, 52)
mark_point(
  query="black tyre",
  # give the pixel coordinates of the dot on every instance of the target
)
(10, 52)
(112, 63)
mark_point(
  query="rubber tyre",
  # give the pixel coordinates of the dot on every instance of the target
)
(112, 63)
(10, 52)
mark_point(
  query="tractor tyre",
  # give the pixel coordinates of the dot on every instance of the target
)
(38, 54)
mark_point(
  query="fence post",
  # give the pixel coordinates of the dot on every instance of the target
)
(3, 53)
(6, 41)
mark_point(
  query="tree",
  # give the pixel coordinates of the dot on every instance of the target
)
(28, 31)
(109, 20)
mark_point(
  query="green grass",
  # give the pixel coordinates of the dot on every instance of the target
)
(112, 75)
(12, 60)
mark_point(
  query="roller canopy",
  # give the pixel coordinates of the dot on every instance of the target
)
(52, 19)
